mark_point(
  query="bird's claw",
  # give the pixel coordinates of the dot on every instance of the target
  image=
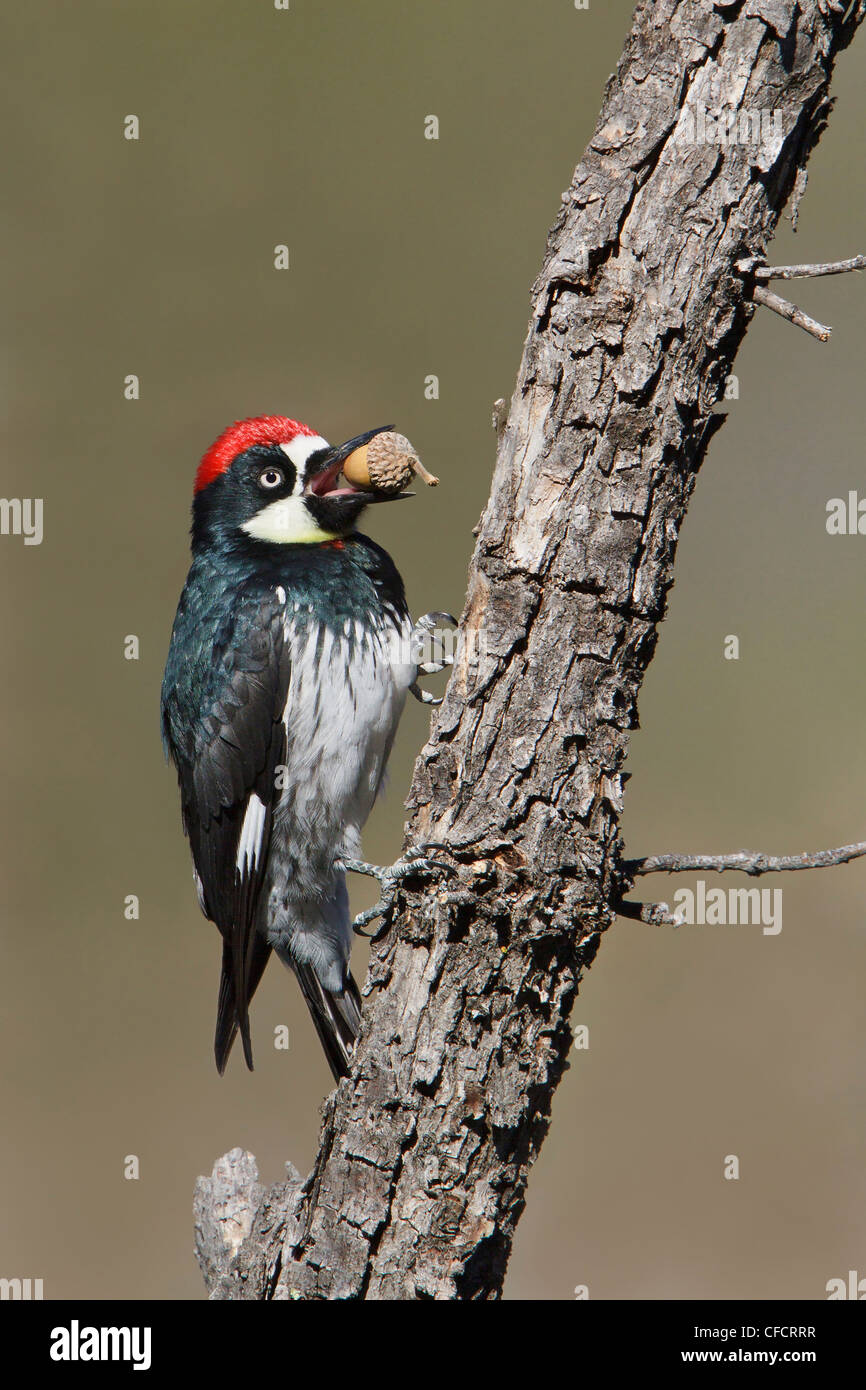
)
(416, 863)
(422, 634)
(424, 696)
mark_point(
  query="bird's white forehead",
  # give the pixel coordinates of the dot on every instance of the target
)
(299, 449)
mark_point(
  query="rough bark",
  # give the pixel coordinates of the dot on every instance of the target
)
(638, 311)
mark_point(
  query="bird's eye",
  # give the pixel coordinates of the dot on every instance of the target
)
(272, 477)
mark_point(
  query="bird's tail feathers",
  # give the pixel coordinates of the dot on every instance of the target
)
(336, 1014)
(232, 1009)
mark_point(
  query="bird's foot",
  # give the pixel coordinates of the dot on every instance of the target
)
(416, 863)
(428, 637)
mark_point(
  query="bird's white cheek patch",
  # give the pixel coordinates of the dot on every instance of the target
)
(286, 522)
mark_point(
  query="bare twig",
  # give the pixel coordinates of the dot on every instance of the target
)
(783, 307)
(789, 311)
(745, 861)
(801, 272)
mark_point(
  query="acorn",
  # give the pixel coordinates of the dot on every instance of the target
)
(386, 464)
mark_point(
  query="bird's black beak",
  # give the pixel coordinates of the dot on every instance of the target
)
(325, 481)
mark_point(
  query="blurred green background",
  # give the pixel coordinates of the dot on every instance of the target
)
(409, 257)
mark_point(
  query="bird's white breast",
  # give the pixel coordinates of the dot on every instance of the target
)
(346, 694)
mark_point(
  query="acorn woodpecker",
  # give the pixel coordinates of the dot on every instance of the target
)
(288, 668)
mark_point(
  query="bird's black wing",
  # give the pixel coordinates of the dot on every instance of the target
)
(227, 755)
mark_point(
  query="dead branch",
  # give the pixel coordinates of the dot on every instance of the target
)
(745, 861)
(638, 312)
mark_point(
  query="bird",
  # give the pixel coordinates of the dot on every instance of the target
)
(289, 663)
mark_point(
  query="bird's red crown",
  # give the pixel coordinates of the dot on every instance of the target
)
(243, 434)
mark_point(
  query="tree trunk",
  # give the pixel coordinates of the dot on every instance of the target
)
(643, 299)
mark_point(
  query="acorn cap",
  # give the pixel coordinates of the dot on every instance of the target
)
(387, 464)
